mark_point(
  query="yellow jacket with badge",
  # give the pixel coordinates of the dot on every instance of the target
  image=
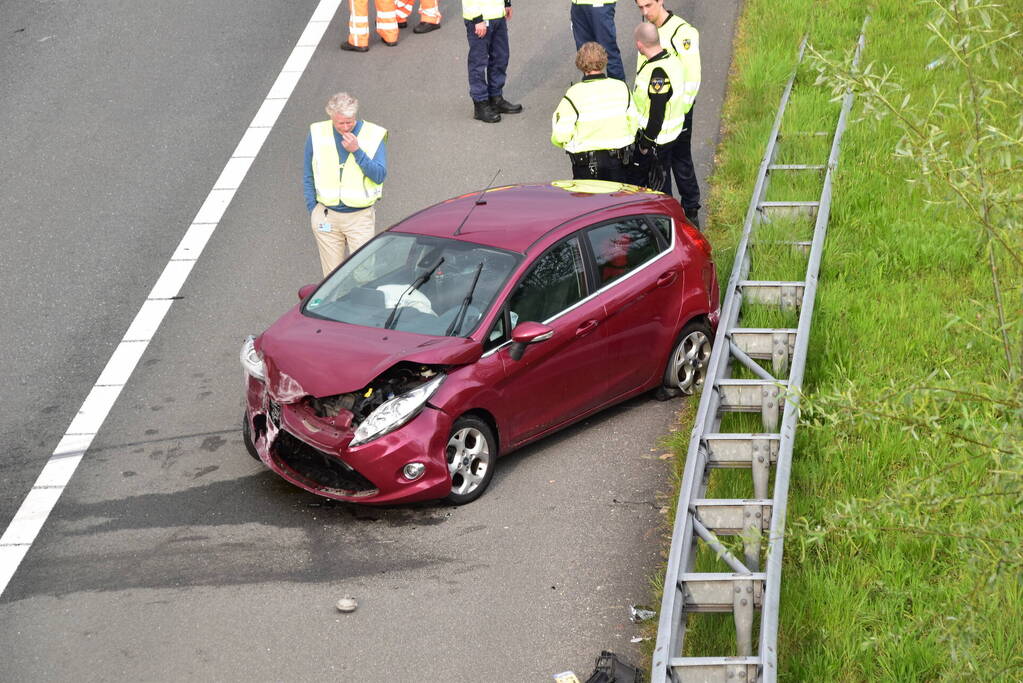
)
(682, 40)
(656, 80)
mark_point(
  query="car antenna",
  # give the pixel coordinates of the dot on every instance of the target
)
(479, 200)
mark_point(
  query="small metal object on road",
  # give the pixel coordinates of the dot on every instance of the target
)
(347, 604)
(566, 677)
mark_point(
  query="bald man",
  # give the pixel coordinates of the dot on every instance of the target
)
(660, 101)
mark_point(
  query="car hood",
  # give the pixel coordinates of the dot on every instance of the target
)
(327, 358)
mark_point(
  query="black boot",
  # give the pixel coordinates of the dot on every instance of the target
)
(693, 215)
(484, 112)
(504, 106)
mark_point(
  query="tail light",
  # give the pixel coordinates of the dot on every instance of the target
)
(697, 238)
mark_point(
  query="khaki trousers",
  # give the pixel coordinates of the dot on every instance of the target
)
(347, 229)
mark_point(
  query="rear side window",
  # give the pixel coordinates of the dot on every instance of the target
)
(556, 281)
(663, 225)
(621, 246)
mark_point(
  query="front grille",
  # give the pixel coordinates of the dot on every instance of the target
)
(322, 469)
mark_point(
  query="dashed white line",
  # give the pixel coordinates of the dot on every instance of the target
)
(48, 487)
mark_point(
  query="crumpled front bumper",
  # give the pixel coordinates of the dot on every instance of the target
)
(314, 453)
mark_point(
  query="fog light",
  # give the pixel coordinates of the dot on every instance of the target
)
(413, 470)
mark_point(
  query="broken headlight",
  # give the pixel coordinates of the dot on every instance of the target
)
(395, 412)
(252, 360)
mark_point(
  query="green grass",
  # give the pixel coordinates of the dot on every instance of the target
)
(893, 570)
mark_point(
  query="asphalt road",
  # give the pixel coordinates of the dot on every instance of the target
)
(174, 556)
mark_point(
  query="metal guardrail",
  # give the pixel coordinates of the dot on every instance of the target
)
(772, 360)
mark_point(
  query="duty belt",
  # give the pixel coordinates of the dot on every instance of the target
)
(592, 158)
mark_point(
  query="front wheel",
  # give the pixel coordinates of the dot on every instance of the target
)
(471, 454)
(687, 365)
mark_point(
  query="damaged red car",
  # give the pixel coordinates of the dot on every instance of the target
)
(474, 327)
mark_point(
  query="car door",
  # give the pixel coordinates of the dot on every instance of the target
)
(558, 379)
(640, 284)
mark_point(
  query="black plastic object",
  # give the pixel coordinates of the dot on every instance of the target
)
(610, 669)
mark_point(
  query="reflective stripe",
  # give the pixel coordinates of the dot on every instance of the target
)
(593, 115)
(359, 31)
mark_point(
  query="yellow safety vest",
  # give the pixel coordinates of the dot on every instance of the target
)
(488, 9)
(675, 111)
(350, 186)
(595, 114)
(683, 41)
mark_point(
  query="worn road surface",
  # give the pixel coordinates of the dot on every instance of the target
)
(172, 555)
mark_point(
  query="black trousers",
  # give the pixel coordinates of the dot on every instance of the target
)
(681, 166)
(653, 169)
(604, 167)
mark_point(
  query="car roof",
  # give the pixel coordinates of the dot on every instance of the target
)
(514, 217)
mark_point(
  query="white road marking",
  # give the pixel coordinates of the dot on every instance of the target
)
(48, 487)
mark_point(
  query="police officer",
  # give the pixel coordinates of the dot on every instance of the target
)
(594, 20)
(682, 40)
(596, 122)
(661, 105)
(345, 167)
(486, 27)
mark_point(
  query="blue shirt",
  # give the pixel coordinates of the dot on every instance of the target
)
(374, 167)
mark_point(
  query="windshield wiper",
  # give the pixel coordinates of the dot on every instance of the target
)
(416, 284)
(460, 317)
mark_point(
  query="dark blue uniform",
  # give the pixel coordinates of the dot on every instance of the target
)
(596, 23)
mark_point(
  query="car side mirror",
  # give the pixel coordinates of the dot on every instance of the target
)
(528, 333)
(304, 292)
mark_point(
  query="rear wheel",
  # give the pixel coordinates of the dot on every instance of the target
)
(471, 454)
(687, 365)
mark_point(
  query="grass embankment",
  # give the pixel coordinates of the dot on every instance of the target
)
(903, 556)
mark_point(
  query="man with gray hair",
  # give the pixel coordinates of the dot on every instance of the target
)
(345, 167)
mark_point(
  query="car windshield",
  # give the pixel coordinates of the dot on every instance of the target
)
(414, 283)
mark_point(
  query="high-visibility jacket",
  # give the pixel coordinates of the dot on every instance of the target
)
(677, 106)
(483, 9)
(597, 113)
(683, 41)
(350, 186)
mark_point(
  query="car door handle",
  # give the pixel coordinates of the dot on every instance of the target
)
(667, 278)
(586, 327)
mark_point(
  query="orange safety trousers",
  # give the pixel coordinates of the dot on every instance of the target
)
(358, 21)
(429, 13)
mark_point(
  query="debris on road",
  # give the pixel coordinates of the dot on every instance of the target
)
(610, 669)
(347, 604)
(638, 614)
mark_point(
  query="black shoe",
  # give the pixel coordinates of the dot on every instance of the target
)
(693, 215)
(504, 106)
(424, 27)
(390, 43)
(402, 24)
(353, 48)
(484, 112)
